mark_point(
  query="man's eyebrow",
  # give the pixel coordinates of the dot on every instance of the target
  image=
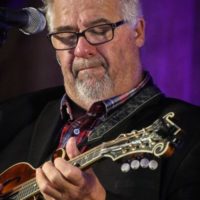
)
(92, 23)
(98, 21)
(64, 28)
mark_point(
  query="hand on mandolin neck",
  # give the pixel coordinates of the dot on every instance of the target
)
(62, 180)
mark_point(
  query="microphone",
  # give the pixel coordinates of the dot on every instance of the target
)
(29, 20)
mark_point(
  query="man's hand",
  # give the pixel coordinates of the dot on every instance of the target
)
(62, 181)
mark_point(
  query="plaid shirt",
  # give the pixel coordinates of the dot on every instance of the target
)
(83, 125)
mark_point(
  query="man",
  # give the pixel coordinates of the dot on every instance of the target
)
(97, 45)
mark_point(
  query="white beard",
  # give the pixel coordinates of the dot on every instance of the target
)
(92, 89)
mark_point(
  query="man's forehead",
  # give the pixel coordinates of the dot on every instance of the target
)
(86, 10)
(87, 3)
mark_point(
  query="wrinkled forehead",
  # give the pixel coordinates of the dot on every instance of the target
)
(68, 12)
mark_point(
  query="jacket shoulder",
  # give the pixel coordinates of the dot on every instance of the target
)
(18, 112)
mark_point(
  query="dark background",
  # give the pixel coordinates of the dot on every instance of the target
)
(171, 52)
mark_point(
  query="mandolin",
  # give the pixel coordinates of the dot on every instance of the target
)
(18, 182)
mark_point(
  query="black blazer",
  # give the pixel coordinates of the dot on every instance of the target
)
(30, 130)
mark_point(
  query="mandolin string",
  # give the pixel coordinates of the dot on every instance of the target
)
(87, 158)
(20, 189)
(28, 189)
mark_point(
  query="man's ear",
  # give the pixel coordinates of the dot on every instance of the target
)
(140, 32)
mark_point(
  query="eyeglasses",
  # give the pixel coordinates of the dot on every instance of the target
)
(95, 35)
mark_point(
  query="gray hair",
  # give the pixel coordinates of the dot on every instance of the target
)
(131, 11)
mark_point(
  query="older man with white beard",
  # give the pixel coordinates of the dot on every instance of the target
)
(107, 93)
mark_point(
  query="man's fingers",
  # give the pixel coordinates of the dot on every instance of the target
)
(45, 186)
(71, 173)
(71, 148)
(52, 174)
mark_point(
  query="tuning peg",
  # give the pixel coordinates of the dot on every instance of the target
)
(135, 164)
(125, 167)
(144, 163)
(153, 164)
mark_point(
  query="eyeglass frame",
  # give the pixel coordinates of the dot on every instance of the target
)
(82, 34)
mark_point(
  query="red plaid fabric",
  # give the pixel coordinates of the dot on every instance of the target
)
(82, 126)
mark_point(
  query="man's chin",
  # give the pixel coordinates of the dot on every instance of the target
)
(94, 91)
(89, 82)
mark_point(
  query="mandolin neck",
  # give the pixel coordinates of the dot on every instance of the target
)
(30, 188)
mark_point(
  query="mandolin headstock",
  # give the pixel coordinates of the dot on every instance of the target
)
(158, 139)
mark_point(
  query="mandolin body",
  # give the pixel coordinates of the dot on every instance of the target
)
(12, 178)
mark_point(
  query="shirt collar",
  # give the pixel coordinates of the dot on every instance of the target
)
(108, 104)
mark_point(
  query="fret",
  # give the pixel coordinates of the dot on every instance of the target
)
(28, 190)
(84, 160)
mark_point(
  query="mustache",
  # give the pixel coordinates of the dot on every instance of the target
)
(82, 63)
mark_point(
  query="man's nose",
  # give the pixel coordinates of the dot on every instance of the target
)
(84, 49)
